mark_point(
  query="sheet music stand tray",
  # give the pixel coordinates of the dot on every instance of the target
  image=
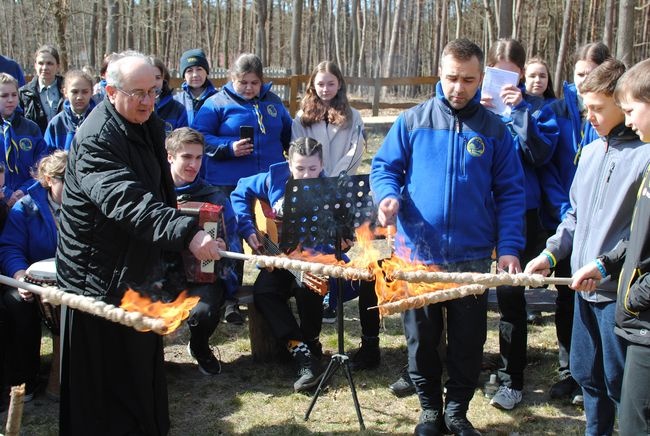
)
(321, 212)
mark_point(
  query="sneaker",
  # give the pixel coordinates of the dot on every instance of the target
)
(563, 388)
(578, 399)
(430, 423)
(208, 364)
(460, 425)
(404, 386)
(506, 398)
(329, 315)
(233, 315)
(309, 372)
(368, 356)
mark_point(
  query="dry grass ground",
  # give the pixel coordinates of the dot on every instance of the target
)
(257, 399)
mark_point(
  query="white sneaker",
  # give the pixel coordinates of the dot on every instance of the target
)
(506, 398)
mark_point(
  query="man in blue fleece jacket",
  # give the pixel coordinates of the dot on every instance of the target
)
(449, 176)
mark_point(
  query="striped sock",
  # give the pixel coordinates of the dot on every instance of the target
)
(296, 347)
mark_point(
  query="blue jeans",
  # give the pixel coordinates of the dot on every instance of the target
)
(597, 360)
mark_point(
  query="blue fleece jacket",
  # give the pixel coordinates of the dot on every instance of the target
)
(220, 119)
(199, 190)
(556, 177)
(172, 112)
(535, 132)
(29, 234)
(25, 148)
(459, 181)
(191, 104)
(61, 129)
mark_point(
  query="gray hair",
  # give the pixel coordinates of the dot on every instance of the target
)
(114, 73)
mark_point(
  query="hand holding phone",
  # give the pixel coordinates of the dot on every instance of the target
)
(244, 146)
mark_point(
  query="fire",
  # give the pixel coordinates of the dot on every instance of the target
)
(172, 313)
(386, 288)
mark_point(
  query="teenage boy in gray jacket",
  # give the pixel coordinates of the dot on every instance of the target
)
(602, 197)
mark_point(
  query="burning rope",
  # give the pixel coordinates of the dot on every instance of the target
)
(489, 280)
(90, 305)
(417, 301)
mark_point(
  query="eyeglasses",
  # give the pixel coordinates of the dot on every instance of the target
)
(139, 94)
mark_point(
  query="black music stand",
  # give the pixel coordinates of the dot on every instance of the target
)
(321, 212)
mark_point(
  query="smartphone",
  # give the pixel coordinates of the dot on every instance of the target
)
(247, 132)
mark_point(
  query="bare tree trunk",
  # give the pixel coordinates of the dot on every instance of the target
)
(260, 30)
(505, 19)
(491, 22)
(625, 39)
(580, 32)
(112, 22)
(354, 37)
(61, 16)
(532, 38)
(437, 45)
(363, 72)
(564, 42)
(296, 32)
(393, 38)
(459, 17)
(269, 34)
(608, 30)
(517, 17)
(92, 37)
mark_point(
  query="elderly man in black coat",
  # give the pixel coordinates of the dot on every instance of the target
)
(118, 226)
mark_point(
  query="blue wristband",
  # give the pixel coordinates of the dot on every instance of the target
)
(551, 259)
(601, 267)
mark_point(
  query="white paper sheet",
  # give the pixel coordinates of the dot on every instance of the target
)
(493, 81)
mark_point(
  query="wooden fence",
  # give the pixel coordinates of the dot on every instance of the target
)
(294, 88)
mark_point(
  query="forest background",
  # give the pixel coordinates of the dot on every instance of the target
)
(367, 38)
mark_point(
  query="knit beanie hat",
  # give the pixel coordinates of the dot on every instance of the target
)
(194, 58)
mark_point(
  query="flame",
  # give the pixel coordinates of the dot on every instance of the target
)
(172, 313)
(386, 288)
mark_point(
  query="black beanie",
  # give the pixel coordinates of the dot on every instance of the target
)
(194, 58)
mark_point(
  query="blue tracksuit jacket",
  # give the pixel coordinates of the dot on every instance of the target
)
(220, 119)
(535, 132)
(556, 176)
(61, 129)
(172, 112)
(23, 150)
(29, 234)
(459, 181)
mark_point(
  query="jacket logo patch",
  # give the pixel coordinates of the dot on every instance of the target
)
(25, 144)
(272, 111)
(476, 146)
(168, 127)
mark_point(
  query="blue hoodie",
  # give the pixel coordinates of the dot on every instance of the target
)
(191, 104)
(172, 112)
(24, 150)
(29, 234)
(535, 133)
(556, 177)
(459, 181)
(220, 119)
(61, 129)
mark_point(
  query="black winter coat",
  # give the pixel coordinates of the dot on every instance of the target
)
(119, 216)
(30, 102)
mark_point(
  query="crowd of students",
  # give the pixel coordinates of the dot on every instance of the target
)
(550, 183)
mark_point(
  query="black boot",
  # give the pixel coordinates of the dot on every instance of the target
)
(368, 356)
(403, 387)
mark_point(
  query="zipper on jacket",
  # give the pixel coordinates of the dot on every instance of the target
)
(603, 193)
(461, 144)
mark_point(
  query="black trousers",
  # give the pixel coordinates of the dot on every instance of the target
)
(23, 340)
(204, 317)
(634, 410)
(369, 319)
(271, 292)
(466, 334)
(112, 380)
(513, 326)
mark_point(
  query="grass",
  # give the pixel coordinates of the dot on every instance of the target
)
(257, 398)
